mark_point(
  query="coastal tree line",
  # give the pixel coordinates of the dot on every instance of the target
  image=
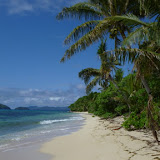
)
(134, 26)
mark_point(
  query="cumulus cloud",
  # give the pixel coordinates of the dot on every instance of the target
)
(25, 6)
(14, 97)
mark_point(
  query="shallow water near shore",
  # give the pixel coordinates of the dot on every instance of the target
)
(21, 129)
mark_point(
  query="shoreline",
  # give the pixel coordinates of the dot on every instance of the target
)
(28, 149)
(103, 139)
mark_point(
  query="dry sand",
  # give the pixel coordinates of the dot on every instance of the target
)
(98, 140)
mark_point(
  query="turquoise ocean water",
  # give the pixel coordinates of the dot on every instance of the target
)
(22, 128)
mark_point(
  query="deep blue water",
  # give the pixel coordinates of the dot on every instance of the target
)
(18, 126)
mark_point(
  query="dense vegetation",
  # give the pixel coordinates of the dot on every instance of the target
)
(134, 25)
(110, 102)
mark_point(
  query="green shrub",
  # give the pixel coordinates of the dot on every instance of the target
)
(110, 102)
(108, 115)
(120, 110)
(135, 121)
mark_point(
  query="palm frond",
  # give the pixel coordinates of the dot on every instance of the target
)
(92, 84)
(154, 33)
(125, 6)
(81, 10)
(131, 54)
(151, 8)
(143, 62)
(125, 91)
(112, 7)
(88, 73)
(80, 31)
(103, 4)
(102, 47)
(94, 35)
(146, 52)
(128, 19)
(137, 36)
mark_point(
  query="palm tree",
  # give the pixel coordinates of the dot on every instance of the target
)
(146, 57)
(104, 17)
(92, 76)
(98, 25)
(102, 76)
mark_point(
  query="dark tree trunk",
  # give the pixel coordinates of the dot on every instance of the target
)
(145, 84)
(152, 122)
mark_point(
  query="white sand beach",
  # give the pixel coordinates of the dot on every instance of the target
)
(103, 140)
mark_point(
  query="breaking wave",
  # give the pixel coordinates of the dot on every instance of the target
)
(44, 122)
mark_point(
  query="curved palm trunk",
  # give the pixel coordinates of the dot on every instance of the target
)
(124, 96)
(152, 122)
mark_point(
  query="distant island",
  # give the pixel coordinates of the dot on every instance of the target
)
(22, 108)
(2, 106)
(49, 108)
(45, 108)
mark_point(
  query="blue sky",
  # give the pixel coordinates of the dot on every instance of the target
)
(31, 46)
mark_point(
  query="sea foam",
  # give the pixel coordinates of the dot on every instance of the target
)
(60, 120)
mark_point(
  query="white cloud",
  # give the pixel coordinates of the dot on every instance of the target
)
(55, 98)
(14, 97)
(19, 6)
(29, 99)
(25, 6)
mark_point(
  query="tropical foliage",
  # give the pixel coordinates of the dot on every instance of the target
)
(97, 14)
(101, 76)
(134, 25)
(110, 103)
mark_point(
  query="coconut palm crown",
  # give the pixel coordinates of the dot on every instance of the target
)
(92, 76)
(98, 25)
